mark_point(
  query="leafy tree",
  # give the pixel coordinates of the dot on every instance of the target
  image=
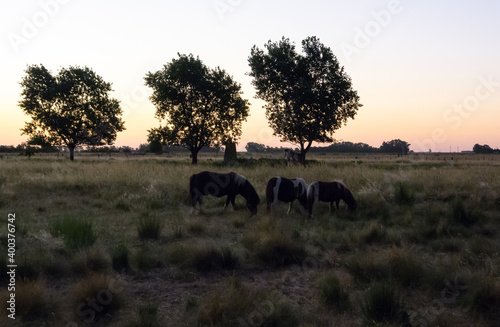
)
(255, 147)
(72, 108)
(308, 95)
(395, 146)
(482, 149)
(201, 106)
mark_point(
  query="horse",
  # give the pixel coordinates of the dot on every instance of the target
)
(330, 192)
(292, 157)
(218, 185)
(286, 190)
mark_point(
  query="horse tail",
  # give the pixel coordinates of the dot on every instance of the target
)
(312, 195)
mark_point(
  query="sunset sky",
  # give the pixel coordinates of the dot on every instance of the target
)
(427, 72)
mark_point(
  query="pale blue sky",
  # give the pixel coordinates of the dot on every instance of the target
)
(414, 63)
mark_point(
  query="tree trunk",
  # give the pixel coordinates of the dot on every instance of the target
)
(303, 152)
(71, 147)
(230, 154)
(194, 156)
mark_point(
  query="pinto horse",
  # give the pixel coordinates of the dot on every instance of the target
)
(286, 190)
(230, 185)
(329, 192)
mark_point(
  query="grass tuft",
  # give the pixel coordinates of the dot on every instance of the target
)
(381, 304)
(146, 315)
(76, 232)
(120, 257)
(149, 227)
(333, 295)
(95, 297)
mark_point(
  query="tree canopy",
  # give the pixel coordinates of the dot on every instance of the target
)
(200, 106)
(72, 108)
(395, 146)
(308, 96)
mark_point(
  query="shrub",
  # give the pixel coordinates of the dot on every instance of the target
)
(96, 296)
(206, 258)
(30, 302)
(461, 215)
(403, 194)
(484, 301)
(406, 268)
(195, 226)
(149, 227)
(372, 233)
(75, 232)
(332, 294)
(146, 315)
(120, 257)
(91, 260)
(273, 247)
(381, 304)
(237, 306)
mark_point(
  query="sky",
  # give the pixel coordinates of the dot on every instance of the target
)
(427, 72)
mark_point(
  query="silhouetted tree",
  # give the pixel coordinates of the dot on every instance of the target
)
(255, 147)
(484, 149)
(308, 95)
(395, 146)
(72, 108)
(201, 106)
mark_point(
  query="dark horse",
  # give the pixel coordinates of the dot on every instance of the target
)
(215, 184)
(286, 190)
(329, 192)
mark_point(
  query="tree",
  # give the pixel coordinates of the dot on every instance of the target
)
(201, 106)
(255, 147)
(308, 95)
(72, 108)
(484, 149)
(395, 146)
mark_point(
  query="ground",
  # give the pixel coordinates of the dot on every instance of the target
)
(111, 240)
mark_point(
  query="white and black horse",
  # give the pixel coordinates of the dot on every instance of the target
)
(292, 157)
(286, 190)
(230, 185)
(329, 192)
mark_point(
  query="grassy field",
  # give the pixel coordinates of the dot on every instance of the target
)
(111, 241)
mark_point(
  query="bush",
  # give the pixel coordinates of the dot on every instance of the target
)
(91, 260)
(205, 258)
(381, 304)
(405, 268)
(30, 301)
(75, 232)
(237, 306)
(147, 316)
(95, 297)
(484, 301)
(461, 215)
(149, 227)
(119, 257)
(333, 295)
(403, 194)
(279, 250)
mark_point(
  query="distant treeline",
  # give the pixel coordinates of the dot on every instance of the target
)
(393, 146)
(484, 149)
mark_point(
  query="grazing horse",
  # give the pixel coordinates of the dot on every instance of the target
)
(286, 190)
(230, 185)
(292, 157)
(329, 192)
